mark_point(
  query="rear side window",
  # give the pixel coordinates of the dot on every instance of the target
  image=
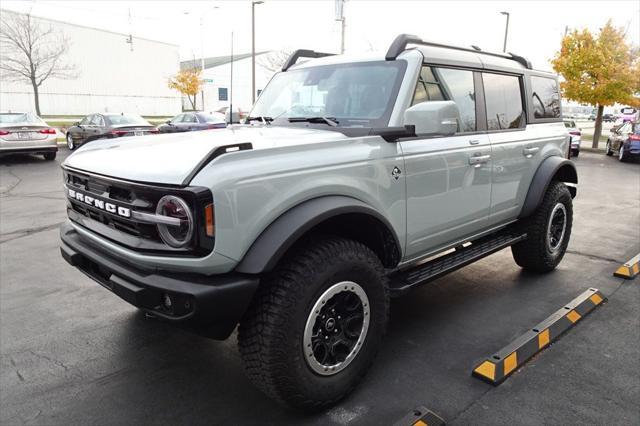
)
(440, 84)
(503, 99)
(545, 97)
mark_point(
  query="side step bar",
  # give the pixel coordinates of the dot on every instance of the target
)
(402, 281)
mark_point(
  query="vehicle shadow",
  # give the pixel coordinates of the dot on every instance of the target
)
(9, 159)
(165, 375)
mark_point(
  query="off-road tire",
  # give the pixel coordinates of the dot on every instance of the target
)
(608, 150)
(49, 156)
(533, 254)
(270, 336)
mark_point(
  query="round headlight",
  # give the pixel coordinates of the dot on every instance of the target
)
(173, 235)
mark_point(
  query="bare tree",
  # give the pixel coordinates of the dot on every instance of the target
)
(33, 52)
(273, 61)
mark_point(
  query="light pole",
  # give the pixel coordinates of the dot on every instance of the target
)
(201, 49)
(339, 9)
(253, 50)
(506, 31)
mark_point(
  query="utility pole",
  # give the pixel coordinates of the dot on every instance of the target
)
(506, 31)
(231, 85)
(253, 50)
(340, 17)
(202, 60)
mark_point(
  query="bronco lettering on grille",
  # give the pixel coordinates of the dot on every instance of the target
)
(100, 204)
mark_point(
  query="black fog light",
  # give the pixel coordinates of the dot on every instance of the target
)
(175, 235)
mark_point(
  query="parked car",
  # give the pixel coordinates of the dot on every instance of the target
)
(107, 125)
(191, 121)
(335, 195)
(26, 133)
(625, 141)
(575, 134)
(592, 116)
(628, 114)
(609, 118)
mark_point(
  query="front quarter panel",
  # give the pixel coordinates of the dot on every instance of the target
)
(252, 188)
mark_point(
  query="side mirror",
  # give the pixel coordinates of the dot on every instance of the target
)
(168, 122)
(77, 123)
(433, 118)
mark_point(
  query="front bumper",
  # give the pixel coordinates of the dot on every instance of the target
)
(210, 305)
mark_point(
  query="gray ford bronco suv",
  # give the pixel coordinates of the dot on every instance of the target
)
(354, 179)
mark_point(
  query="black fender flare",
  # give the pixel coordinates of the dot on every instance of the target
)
(267, 250)
(551, 168)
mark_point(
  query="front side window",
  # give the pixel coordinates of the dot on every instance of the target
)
(177, 119)
(97, 120)
(440, 84)
(190, 118)
(545, 97)
(503, 99)
(358, 94)
(85, 121)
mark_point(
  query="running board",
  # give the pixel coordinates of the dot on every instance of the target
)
(402, 281)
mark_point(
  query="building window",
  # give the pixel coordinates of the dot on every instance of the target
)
(258, 94)
(545, 97)
(504, 101)
(222, 94)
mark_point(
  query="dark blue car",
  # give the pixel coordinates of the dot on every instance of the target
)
(625, 141)
(192, 121)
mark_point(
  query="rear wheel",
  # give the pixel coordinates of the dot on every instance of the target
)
(316, 324)
(621, 156)
(548, 231)
(608, 151)
(50, 156)
(70, 144)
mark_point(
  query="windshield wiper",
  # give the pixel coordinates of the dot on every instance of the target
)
(331, 121)
(265, 120)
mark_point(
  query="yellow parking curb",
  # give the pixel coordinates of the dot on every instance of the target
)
(630, 269)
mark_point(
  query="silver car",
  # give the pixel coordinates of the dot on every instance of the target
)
(26, 133)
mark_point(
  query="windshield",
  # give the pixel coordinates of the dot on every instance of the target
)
(15, 118)
(356, 94)
(117, 120)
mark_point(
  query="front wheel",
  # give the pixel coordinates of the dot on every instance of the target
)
(608, 151)
(548, 231)
(70, 144)
(315, 326)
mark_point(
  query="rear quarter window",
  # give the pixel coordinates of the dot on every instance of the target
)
(545, 97)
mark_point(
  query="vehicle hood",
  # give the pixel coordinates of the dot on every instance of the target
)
(171, 158)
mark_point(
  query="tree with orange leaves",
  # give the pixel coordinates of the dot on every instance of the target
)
(599, 70)
(187, 82)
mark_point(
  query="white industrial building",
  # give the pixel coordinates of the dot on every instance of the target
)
(115, 73)
(217, 77)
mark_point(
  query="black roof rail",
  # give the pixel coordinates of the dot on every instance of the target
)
(400, 44)
(303, 53)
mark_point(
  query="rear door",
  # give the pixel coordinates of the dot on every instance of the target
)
(514, 147)
(448, 178)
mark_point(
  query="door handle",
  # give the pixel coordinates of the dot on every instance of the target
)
(478, 160)
(474, 141)
(528, 152)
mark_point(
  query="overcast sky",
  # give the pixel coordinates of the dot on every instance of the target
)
(535, 27)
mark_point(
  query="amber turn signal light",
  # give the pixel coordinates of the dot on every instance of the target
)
(209, 220)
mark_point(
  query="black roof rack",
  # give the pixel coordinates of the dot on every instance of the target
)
(303, 53)
(400, 44)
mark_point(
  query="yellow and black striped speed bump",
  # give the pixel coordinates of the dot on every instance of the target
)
(420, 417)
(502, 364)
(630, 269)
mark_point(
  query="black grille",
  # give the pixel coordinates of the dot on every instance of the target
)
(136, 197)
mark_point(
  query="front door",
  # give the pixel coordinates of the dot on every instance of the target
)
(448, 178)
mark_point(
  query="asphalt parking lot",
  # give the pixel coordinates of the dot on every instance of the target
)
(72, 353)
